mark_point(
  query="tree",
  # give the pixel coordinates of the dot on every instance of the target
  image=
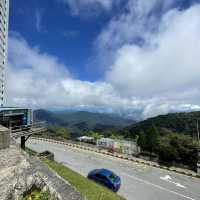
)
(95, 135)
(151, 139)
(167, 153)
(141, 141)
(63, 132)
(115, 136)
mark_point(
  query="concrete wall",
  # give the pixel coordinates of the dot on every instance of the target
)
(19, 173)
(4, 137)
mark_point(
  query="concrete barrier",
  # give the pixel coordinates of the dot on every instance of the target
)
(4, 137)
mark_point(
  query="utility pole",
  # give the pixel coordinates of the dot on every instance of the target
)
(198, 134)
(198, 149)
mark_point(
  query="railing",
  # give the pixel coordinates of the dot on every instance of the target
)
(35, 128)
(39, 124)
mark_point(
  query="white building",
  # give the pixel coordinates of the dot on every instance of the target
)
(85, 139)
(106, 143)
(4, 16)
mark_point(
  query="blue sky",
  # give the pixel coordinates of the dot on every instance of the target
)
(50, 25)
(120, 56)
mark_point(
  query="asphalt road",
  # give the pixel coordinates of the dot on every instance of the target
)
(139, 182)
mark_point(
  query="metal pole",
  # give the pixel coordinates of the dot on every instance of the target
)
(198, 133)
(198, 149)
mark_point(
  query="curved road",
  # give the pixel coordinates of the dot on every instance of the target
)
(139, 182)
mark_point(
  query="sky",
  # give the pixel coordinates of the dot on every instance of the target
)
(135, 58)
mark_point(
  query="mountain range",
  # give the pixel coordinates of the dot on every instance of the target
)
(79, 121)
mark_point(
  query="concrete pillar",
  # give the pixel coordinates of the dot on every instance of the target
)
(23, 141)
(4, 137)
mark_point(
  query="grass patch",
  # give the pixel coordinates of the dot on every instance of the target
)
(30, 151)
(37, 195)
(86, 187)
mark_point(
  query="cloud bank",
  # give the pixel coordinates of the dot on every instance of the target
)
(154, 66)
(40, 80)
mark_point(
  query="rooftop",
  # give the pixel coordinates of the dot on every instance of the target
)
(11, 108)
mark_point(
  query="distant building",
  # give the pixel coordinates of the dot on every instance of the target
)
(122, 146)
(106, 143)
(85, 139)
(4, 16)
(12, 119)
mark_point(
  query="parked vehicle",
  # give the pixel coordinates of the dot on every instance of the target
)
(106, 178)
(47, 154)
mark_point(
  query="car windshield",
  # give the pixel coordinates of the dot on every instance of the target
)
(113, 177)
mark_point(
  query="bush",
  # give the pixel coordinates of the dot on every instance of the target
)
(37, 195)
(179, 149)
(169, 146)
(167, 153)
(58, 132)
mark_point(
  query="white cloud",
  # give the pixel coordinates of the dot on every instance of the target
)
(137, 23)
(163, 70)
(39, 80)
(157, 76)
(70, 33)
(39, 13)
(169, 63)
(77, 6)
(38, 18)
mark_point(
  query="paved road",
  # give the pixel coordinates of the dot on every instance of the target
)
(139, 182)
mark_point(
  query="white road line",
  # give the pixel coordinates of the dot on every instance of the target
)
(168, 179)
(157, 186)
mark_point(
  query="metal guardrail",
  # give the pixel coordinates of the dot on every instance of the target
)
(39, 124)
(124, 157)
(30, 130)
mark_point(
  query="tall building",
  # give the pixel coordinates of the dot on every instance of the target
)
(4, 16)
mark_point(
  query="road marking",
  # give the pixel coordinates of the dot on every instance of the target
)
(168, 179)
(157, 186)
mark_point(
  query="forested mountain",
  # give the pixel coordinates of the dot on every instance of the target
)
(172, 138)
(82, 121)
(185, 123)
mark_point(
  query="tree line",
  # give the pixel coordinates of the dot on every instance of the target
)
(171, 148)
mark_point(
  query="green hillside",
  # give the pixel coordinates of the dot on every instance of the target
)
(172, 138)
(176, 122)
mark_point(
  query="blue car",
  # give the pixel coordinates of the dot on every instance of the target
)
(106, 178)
